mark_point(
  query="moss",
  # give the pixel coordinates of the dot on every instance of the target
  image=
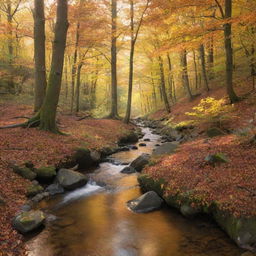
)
(130, 137)
(32, 190)
(25, 172)
(147, 184)
(46, 172)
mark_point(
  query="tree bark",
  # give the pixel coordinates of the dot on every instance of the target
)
(114, 111)
(163, 89)
(204, 72)
(229, 52)
(47, 114)
(185, 79)
(78, 83)
(73, 72)
(39, 49)
(195, 68)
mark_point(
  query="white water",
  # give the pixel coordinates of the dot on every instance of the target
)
(89, 189)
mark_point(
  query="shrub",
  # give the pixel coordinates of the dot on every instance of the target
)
(211, 111)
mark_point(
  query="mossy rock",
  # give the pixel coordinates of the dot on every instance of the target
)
(46, 173)
(241, 230)
(217, 158)
(25, 172)
(86, 158)
(28, 221)
(131, 137)
(33, 190)
(214, 132)
(149, 184)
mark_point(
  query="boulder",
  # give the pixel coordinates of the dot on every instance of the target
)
(28, 221)
(139, 163)
(214, 131)
(128, 170)
(33, 189)
(46, 173)
(132, 137)
(142, 145)
(54, 189)
(147, 139)
(24, 172)
(217, 158)
(86, 158)
(166, 148)
(145, 203)
(70, 180)
(134, 147)
(39, 197)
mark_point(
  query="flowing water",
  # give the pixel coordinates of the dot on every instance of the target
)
(94, 220)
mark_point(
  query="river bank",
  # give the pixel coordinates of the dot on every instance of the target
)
(22, 146)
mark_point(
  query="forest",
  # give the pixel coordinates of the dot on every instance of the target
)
(127, 127)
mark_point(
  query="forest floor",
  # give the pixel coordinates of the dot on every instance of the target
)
(20, 145)
(231, 185)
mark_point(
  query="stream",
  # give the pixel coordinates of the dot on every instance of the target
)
(94, 220)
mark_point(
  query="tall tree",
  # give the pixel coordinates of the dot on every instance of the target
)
(114, 112)
(39, 53)
(134, 36)
(226, 14)
(204, 72)
(46, 116)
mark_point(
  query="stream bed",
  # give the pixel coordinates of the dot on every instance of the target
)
(94, 220)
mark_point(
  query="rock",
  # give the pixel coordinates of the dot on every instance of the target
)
(32, 190)
(70, 180)
(214, 131)
(142, 145)
(39, 197)
(46, 173)
(28, 221)
(139, 163)
(85, 158)
(126, 148)
(146, 139)
(25, 208)
(128, 170)
(35, 182)
(132, 137)
(188, 211)
(24, 172)
(54, 189)
(157, 145)
(134, 147)
(166, 148)
(96, 156)
(29, 165)
(145, 203)
(217, 158)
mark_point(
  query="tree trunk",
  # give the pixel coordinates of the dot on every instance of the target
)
(114, 111)
(154, 90)
(78, 82)
(163, 89)
(204, 72)
(195, 68)
(73, 72)
(170, 77)
(129, 100)
(11, 85)
(211, 59)
(39, 49)
(229, 52)
(47, 114)
(185, 79)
